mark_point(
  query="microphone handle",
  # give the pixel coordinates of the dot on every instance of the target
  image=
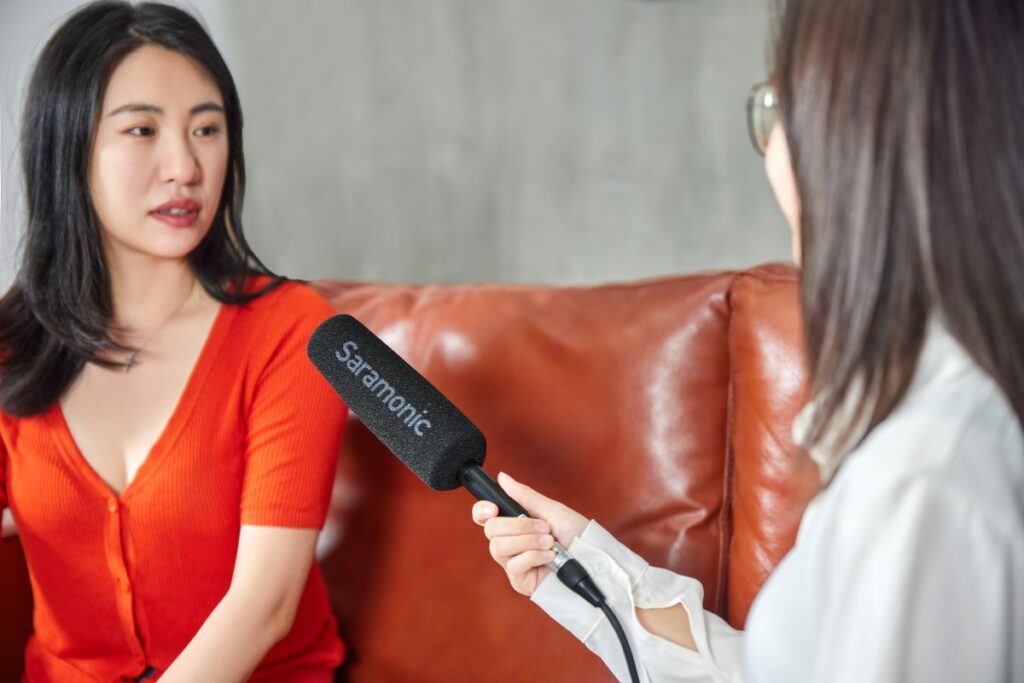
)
(569, 571)
(480, 484)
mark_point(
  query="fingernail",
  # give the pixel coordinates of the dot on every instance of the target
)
(505, 476)
(546, 541)
(540, 527)
(548, 555)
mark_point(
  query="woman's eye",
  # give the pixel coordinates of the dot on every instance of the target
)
(140, 131)
(207, 131)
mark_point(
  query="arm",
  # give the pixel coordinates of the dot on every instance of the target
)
(521, 547)
(7, 527)
(271, 570)
(671, 623)
(672, 637)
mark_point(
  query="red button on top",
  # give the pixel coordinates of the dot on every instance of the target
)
(112, 505)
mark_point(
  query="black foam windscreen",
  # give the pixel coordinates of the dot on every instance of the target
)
(403, 410)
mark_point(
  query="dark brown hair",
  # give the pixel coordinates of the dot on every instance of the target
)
(55, 317)
(903, 119)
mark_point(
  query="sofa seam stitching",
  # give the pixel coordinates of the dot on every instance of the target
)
(725, 537)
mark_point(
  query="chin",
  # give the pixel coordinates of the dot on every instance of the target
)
(172, 244)
(176, 249)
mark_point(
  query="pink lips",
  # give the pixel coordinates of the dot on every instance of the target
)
(179, 213)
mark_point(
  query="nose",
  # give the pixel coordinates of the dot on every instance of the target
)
(179, 162)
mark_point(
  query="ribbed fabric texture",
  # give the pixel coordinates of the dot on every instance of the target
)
(124, 582)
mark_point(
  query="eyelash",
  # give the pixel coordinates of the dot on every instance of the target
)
(146, 131)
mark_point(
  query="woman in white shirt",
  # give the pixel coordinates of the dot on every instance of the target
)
(893, 141)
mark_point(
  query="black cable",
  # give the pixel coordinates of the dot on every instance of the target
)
(573, 575)
(633, 675)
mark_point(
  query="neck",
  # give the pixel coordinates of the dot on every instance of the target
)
(146, 294)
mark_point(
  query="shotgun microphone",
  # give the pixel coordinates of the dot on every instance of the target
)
(418, 424)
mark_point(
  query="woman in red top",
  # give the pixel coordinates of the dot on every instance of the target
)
(166, 450)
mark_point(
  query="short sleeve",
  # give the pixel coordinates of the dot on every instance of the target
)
(295, 419)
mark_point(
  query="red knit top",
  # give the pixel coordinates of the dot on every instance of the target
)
(124, 582)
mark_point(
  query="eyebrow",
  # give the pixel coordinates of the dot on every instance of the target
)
(153, 109)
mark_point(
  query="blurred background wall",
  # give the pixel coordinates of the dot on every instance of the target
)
(557, 141)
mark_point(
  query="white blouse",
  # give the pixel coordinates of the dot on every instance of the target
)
(909, 566)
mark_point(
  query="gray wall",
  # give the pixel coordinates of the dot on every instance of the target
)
(480, 140)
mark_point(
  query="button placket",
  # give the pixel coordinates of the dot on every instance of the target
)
(118, 563)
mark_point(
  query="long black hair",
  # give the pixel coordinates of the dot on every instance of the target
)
(903, 120)
(56, 316)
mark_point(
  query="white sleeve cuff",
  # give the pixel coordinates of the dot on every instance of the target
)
(629, 582)
(615, 569)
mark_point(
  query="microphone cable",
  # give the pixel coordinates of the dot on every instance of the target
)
(633, 675)
(578, 580)
(567, 568)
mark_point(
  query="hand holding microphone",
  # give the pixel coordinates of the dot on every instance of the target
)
(522, 545)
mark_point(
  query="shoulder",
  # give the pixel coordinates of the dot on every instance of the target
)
(278, 323)
(287, 306)
(290, 297)
(954, 463)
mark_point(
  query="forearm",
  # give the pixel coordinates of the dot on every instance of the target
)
(689, 644)
(7, 527)
(231, 642)
(670, 623)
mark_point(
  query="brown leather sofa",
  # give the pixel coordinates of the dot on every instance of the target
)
(661, 408)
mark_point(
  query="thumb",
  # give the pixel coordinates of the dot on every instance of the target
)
(539, 506)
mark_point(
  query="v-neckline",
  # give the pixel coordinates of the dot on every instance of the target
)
(169, 434)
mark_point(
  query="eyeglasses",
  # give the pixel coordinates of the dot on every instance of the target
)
(762, 114)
